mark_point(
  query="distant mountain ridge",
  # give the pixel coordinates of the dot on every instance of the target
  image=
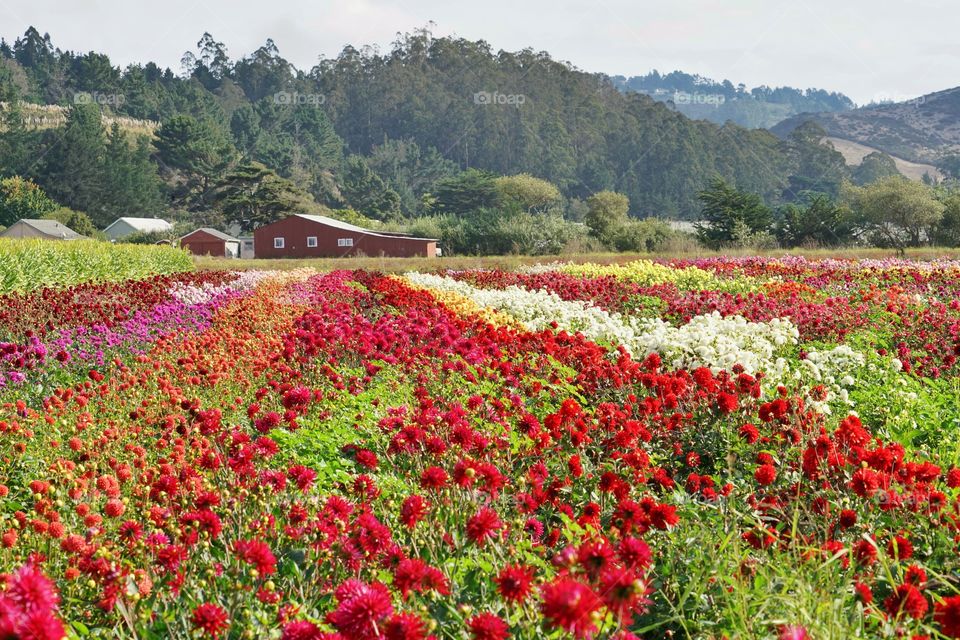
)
(703, 98)
(921, 130)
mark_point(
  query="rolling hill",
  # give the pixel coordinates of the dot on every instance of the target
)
(854, 153)
(920, 130)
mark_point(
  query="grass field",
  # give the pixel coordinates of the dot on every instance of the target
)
(398, 265)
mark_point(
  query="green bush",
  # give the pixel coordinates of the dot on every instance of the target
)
(640, 236)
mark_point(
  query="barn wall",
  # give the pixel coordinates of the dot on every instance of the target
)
(295, 232)
(201, 243)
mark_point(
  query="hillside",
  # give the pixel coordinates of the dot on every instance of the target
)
(392, 123)
(378, 131)
(702, 98)
(51, 116)
(854, 153)
(920, 130)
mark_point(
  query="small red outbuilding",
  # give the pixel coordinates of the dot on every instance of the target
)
(210, 242)
(309, 236)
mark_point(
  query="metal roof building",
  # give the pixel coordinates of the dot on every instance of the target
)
(123, 227)
(210, 242)
(309, 236)
(46, 229)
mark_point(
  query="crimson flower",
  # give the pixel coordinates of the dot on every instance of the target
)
(405, 626)
(413, 510)
(211, 619)
(483, 525)
(258, 554)
(487, 626)
(571, 606)
(947, 615)
(361, 610)
(906, 600)
(514, 581)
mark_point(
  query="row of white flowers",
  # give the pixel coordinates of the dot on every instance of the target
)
(707, 340)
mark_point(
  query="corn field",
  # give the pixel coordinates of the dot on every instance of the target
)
(32, 264)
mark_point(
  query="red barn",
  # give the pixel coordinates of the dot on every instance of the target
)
(309, 236)
(210, 242)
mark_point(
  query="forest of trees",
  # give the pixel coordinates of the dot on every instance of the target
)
(389, 136)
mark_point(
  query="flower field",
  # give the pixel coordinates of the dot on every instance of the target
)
(718, 448)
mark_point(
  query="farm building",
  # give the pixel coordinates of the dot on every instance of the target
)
(246, 247)
(309, 236)
(46, 229)
(123, 227)
(210, 242)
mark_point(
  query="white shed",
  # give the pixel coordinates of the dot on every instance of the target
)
(123, 227)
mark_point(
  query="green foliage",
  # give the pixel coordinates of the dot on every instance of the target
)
(196, 152)
(895, 212)
(463, 193)
(873, 167)
(18, 144)
(409, 170)
(525, 192)
(817, 221)
(495, 232)
(730, 216)
(352, 217)
(297, 141)
(950, 165)
(366, 192)
(131, 186)
(72, 175)
(606, 211)
(947, 231)
(252, 195)
(817, 166)
(32, 264)
(703, 98)
(76, 220)
(20, 199)
(640, 236)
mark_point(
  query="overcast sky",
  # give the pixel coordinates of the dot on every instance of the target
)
(867, 49)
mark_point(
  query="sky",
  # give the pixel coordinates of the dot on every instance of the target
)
(871, 50)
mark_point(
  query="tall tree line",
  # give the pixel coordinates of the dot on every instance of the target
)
(372, 131)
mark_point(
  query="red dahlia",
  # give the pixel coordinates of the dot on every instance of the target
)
(487, 626)
(765, 474)
(906, 600)
(258, 554)
(514, 582)
(947, 615)
(483, 525)
(571, 606)
(405, 626)
(413, 510)
(211, 619)
(361, 610)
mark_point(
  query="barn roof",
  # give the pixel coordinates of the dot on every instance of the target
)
(346, 226)
(52, 228)
(213, 232)
(144, 224)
